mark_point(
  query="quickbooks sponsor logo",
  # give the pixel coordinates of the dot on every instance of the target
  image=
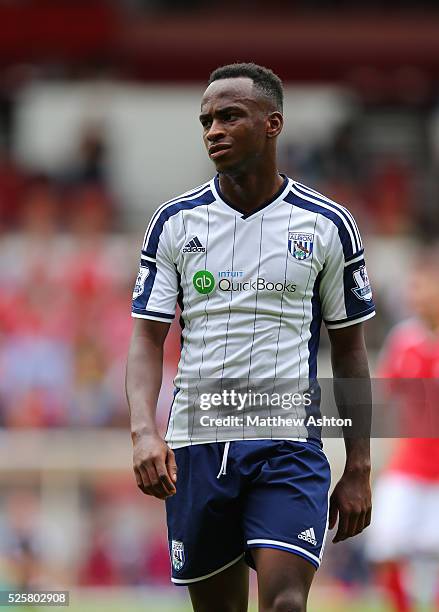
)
(260, 284)
(203, 281)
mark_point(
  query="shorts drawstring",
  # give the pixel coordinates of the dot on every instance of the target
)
(223, 468)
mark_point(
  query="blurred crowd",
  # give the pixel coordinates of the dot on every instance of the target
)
(384, 170)
(64, 296)
(65, 288)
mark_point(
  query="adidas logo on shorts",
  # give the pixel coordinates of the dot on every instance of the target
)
(193, 246)
(308, 535)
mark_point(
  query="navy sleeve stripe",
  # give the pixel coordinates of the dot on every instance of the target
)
(296, 199)
(352, 317)
(341, 209)
(203, 199)
(338, 210)
(157, 215)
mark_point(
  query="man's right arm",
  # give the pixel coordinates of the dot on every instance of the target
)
(154, 462)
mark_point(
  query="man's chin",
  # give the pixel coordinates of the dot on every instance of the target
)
(226, 166)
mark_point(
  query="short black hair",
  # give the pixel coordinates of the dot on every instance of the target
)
(264, 79)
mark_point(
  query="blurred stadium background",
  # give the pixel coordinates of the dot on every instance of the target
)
(98, 126)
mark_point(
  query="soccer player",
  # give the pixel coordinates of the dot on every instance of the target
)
(404, 540)
(256, 261)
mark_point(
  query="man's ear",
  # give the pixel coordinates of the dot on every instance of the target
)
(275, 122)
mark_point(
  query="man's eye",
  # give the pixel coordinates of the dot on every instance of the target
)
(206, 123)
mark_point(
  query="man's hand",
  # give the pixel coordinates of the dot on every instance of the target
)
(351, 502)
(154, 466)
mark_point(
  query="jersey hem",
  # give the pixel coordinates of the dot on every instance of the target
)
(175, 445)
(164, 317)
(348, 322)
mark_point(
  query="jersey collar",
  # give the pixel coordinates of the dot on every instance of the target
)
(225, 203)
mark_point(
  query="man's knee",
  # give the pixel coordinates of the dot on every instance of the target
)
(290, 600)
(224, 592)
(225, 602)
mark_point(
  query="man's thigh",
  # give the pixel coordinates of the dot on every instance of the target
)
(227, 591)
(284, 580)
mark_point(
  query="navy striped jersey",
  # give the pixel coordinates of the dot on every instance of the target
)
(253, 288)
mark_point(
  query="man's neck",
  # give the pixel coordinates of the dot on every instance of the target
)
(249, 191)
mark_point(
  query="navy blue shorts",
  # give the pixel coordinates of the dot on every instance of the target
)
(232, 497)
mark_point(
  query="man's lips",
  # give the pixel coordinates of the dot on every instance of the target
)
(218, 149)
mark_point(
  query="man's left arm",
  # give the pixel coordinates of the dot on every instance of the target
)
(351, 498)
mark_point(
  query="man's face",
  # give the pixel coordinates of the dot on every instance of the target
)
(235, 119)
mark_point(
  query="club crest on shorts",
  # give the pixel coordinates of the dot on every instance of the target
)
(363, 290)
(177, 555)
(300, 244)
(140, 281)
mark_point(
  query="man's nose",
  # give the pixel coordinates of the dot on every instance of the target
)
(216, 131)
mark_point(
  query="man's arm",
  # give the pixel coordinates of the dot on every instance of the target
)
(154, 462)
(351, 498)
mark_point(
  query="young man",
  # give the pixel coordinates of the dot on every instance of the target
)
(255, 261)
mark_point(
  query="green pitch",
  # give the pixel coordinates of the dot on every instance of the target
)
(161, 604)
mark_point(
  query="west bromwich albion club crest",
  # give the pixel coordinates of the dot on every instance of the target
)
(300, 245)
(177, 555)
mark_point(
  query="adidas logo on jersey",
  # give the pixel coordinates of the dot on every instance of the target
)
(193, 246)
(308, 535)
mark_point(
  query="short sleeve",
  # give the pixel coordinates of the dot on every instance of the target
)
(345, 290)
(156, 287)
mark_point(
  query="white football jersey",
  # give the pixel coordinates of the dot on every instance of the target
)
(253, 288)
